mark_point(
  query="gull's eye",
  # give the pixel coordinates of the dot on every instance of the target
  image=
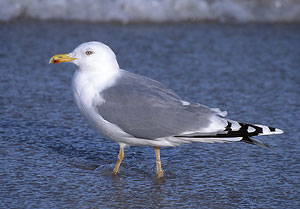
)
(88, 52)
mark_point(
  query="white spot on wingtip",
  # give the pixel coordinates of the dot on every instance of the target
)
(267, 131)
(278, 131)
(235, 126)
(250, 129)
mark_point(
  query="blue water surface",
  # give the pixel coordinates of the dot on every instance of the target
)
(51, 158)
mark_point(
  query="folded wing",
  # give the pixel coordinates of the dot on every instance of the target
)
(144, 108)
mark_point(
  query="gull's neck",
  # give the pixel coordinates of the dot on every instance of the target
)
(97, 78)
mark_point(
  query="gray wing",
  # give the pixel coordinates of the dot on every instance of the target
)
(144, 108)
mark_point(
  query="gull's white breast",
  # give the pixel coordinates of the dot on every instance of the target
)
(87, 87)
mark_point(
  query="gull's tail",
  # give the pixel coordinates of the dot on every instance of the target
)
(235, 131)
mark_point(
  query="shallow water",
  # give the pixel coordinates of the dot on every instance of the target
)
(50, 158)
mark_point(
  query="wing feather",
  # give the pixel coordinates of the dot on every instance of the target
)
(144, 108)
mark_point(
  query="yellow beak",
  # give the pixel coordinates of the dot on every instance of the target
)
(61, 58)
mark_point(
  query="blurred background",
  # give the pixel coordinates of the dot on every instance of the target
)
(128, 11)
(240, 56)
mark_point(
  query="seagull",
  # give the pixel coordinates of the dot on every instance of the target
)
(134, 110)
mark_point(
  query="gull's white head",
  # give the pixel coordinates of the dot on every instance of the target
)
(90, 56)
